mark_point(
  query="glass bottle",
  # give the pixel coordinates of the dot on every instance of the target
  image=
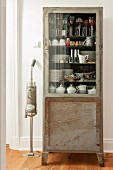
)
(71, 57)
(77, 59)
(70, 30)
(75, 56)
(64, 27)
(92, 31)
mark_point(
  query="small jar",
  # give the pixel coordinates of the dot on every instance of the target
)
(60, 89)
(52, 89)
(71, 89)
(68, 42)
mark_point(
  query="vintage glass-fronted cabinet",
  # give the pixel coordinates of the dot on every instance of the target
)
(72, 120)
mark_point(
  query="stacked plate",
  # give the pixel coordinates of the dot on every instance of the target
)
(55, 75)
(59, 58)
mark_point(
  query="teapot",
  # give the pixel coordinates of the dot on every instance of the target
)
(60, 89)
(52, 89)
(83, 58)
(71, 89)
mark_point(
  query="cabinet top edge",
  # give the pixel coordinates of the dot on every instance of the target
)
(93, 8)
(47, 10)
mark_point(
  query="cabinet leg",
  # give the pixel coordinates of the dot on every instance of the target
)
(100, 157)
(44, 158)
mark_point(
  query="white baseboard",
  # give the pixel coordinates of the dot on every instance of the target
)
(23, 143)
(108, 145)
(14, 143)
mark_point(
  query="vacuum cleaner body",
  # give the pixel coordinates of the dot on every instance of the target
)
(31, 102)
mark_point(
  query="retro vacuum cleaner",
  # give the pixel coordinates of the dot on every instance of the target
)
(31, 107)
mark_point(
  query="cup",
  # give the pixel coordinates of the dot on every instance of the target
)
(54, 42)
(83, 58)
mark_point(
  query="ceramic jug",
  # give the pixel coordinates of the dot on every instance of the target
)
(82, 58)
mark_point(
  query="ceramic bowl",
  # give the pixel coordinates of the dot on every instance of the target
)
(62, 42)
(54, 42)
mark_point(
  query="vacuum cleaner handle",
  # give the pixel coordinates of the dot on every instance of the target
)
(33, 63)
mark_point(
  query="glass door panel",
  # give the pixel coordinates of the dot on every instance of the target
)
(72, 53)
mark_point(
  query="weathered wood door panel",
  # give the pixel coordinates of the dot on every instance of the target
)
(72, 124)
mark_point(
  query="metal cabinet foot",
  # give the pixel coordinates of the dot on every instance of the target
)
(44, 158)
(100, 157)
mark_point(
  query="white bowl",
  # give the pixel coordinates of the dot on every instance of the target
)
(54, 42)
(62, 42)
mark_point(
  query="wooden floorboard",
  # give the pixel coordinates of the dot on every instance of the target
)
(57, 161)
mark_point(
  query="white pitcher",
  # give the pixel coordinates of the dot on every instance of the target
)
(92, 91)
(89, 41)
(83, 58)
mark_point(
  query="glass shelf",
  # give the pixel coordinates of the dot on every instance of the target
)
(86, 48)
(74, 38)
(90, 63)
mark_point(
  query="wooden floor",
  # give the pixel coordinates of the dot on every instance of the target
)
(57, 161)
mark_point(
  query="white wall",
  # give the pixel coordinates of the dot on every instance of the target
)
(30, 33)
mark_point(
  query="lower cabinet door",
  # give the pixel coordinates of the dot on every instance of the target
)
(72, 124)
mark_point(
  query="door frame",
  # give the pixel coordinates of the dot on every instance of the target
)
(3, 84)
